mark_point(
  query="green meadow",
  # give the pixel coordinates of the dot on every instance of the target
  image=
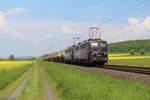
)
(73, 84)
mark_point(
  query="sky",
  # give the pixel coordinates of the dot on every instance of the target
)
(36, 27)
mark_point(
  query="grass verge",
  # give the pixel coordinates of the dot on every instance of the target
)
(73, 84)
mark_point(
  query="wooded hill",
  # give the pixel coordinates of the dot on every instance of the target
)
(127, 46)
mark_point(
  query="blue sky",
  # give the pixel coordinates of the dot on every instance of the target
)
(35, 27)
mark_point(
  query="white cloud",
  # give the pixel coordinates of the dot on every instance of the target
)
(146, 23)
(137, 25)
(66, 29)
(18, 35)
(3, 24)
(45, 30)
(135, 29)
(5, 29)
(14, 11)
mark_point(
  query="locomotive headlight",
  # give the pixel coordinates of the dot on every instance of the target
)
(105, 53)
(93, 54)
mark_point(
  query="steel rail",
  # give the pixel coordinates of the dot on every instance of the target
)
(127, 69)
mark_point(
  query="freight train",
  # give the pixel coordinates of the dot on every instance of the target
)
(92, 51)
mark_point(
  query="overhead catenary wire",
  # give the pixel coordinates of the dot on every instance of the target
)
(122, 12)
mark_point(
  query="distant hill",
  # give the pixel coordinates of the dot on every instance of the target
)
(126, 46)
(25, 57)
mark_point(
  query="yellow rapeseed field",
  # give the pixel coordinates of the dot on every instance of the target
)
(116, 55)
(13, 64)
(126, 56)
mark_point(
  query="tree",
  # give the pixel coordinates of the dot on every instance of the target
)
(11, 57)
(1, 59)
(132, 52)
(142, 51)
(33, 58)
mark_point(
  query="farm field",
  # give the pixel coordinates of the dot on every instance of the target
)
(48, 81)
(10, 72)
(23, 81)
(5, 65)
(128, 60)
(73, 84)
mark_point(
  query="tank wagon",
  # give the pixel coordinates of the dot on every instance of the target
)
(91, 51)
(54, 57)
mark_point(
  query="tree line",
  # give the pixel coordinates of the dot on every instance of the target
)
(132, 47)
(13, 58)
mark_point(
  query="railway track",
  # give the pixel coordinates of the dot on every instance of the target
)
(128, 69)
(132, 69)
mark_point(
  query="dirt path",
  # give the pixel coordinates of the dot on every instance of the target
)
(45, 87)
(21, 87)
(48, 94)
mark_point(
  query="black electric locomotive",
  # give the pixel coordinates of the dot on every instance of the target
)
(91, 51)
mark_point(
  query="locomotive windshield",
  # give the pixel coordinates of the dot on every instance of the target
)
(93, 45)
(96, 45)
(103, 45)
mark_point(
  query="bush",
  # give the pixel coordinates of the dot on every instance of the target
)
(132, 52)
(142, 51)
